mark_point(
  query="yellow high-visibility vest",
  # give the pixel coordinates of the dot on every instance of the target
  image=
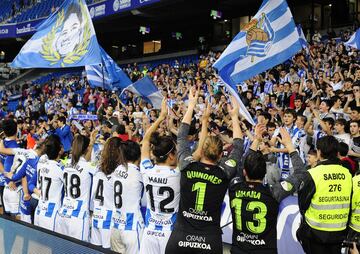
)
(355, 205)
(330, 205)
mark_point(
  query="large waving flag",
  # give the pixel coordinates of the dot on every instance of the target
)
(146, 89)
(270, 38)
(354, 40)
(66, 39)
(107, 75)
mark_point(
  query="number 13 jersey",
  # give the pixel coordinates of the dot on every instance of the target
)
(162, 186)
(254, 211)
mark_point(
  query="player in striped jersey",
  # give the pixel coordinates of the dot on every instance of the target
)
(73, 219)
(102, 193)
(162, 186)
(128, 189)
(50, 184)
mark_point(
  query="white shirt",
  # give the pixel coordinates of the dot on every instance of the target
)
(128, 191)
(77, 181)
(162, 186)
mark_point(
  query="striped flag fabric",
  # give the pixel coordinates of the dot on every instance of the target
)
(269, 39)
(242, 109)
(107, 75)
(303, 40)
(354, 41)
(146, 89)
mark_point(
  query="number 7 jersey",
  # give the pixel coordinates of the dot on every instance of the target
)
(162, 186)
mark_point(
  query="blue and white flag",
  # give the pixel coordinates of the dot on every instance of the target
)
(354, 40)
(303, 40)
(146, 89)
(107, 75)
(269, 39)
(66, 39)
(242, 109)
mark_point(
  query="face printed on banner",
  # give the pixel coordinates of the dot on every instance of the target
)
(70, 35)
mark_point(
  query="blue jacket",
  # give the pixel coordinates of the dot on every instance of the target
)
(65, 136)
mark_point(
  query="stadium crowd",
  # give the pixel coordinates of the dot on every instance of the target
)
(306, 110)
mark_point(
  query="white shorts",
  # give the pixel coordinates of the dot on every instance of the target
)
(154, 241)
(126, 241)
(100, 237)
(73, 226)
(25, 218)
(12, 200)
(44, 221)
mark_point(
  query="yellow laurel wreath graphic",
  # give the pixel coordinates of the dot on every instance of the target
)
(51, 55)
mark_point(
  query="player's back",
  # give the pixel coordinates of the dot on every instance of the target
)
(162, 186)
(50, 180)
(102, 200)
(128, 189)
(254, 212)
(77, 181)
(203, 188)
(24, 164)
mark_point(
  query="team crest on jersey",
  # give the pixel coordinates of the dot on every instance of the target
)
(286, 186)
(147, 164)
(230, 163)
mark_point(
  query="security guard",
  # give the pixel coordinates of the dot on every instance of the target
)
(354, 230)
(324, 201)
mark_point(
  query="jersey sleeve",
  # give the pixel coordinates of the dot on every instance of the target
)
(184, 151)
(231, 163)
(32, 183)
(287, 187)
(20, 173)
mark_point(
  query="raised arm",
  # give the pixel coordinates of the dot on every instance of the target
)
(184, 150)
(145, 149)
(204, 132)
(292, 183)
(6, 151)
(91, 144)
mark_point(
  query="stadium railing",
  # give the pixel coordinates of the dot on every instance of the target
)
(20, 237)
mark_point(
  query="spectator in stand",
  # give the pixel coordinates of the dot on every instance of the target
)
(64, 132)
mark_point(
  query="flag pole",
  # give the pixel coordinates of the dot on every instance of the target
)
(103, 76)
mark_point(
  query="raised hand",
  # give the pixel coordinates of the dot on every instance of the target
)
(233, 109)
(164, 109)
(193, 96)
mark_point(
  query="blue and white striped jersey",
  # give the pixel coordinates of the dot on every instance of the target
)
(162, 186)
(283, 159)
(102, 200)
(50, 183)
(128, 191)
(77, 187)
